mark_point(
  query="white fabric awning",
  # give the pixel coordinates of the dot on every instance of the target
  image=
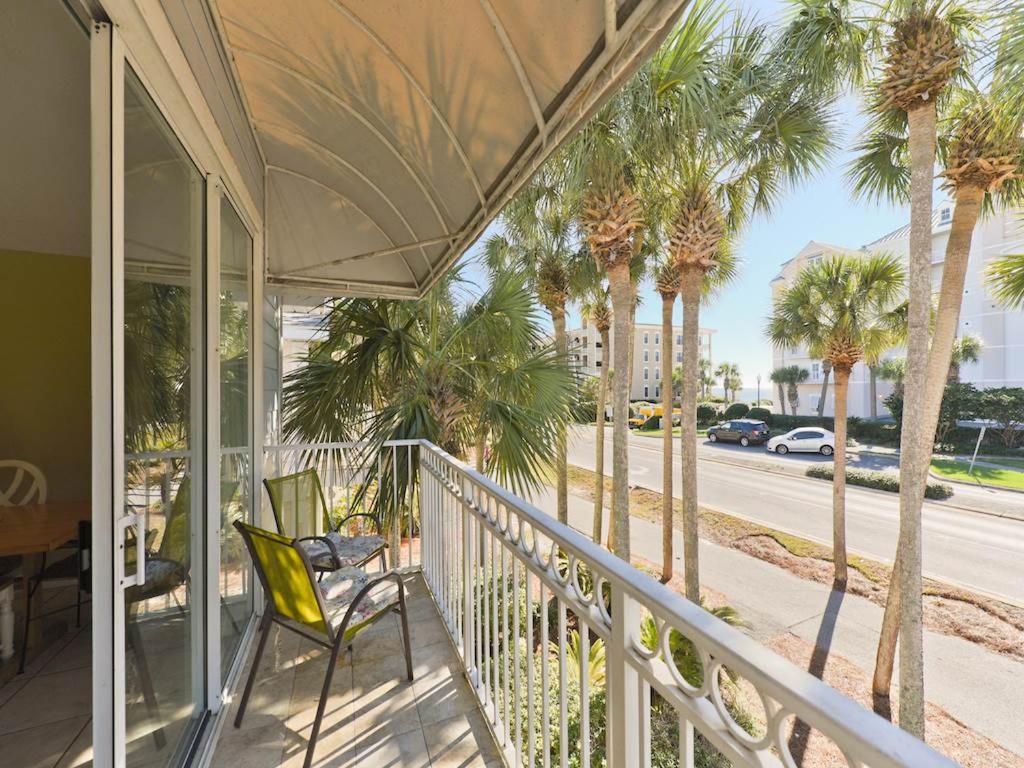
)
(394, 130)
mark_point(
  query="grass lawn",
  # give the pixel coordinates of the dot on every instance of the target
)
(956, 469)
(1006, 461)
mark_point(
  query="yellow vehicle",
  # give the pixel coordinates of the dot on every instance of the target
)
(646, 411)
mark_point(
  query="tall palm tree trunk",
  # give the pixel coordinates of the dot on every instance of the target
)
(602, 400)
(782, 398)
(620, 286)
(561, 463)
(480, 449)
(958, 247)
(667, 303)
(826, 368)
(916, 446)
(692, 278)
(839, 479)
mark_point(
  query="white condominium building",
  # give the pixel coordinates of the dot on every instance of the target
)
(1001, 330)
(587, 356)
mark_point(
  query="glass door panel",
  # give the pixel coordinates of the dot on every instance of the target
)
(163, 434)
(235, 430)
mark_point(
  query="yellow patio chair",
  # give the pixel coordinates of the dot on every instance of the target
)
(330, 612)
(297, 499)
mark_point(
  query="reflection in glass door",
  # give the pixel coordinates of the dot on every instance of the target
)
(235, 430)
(163, 434)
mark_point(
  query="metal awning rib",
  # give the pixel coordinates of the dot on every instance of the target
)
(409, 125)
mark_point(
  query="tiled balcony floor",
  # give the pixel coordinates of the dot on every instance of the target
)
(374, 716)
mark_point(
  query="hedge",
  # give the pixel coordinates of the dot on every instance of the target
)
(736, 411)
(762, 414)
(883, 481)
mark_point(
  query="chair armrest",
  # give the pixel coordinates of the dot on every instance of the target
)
(374, 518)
(330, 545)
(390, 575)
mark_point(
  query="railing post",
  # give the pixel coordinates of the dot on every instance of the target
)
(623, 683)
(467, 577)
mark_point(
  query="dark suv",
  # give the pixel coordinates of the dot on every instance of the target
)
(743, 431)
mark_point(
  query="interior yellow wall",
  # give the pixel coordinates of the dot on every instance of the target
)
(44, 367)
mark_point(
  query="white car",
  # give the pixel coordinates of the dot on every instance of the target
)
(804, 440)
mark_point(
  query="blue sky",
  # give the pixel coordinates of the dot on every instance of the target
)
(823, 208)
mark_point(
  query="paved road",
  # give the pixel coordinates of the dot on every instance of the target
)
(975, 550)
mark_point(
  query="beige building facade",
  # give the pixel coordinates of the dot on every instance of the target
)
(1001, 330)
(588, 357)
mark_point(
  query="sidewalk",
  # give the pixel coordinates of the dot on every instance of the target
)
(963, 678)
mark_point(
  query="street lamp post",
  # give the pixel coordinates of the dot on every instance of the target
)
(758, 389)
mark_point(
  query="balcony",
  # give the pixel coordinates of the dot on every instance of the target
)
(532, 646)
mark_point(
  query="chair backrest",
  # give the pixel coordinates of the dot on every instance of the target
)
(27, 483)
(176, 543)
(286, 576)
(296, 500)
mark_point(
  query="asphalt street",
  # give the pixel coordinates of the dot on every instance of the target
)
(979, 551)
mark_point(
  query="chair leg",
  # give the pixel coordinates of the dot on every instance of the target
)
(78, 609)
(30, 590)
(264, 634)
(405, 629)
(323, 701)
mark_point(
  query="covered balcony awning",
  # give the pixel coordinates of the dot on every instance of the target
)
(393, 131)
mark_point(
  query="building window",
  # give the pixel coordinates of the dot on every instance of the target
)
(647, 373)
(584, 361)
(657, 339)
(597, 345)
(647, 392)
(598, 363)
(657, 391)
(945, 216)
(657, 356)
(679, 357)
(657, 374)
(646, 339)
(815, 371)
(647, 356)
(679, 340)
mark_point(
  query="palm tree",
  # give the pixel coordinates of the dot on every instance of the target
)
(778, 377)
(795, 376)
(729, 373)
(728, 99)
(966, 349)
(1006, 279)
(907, 52)
(595, 306)
(980, 150)
(826, 370)
(842, 309)
(462, 376)
(705, 381)
(893, 370)
(666, 283)
(538, 241)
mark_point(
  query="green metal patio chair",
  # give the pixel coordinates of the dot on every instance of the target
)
(297, 499)
(330, 612)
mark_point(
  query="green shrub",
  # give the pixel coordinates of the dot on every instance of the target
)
(736, 411)
(762, 414)
(706, 414)
(883, 481)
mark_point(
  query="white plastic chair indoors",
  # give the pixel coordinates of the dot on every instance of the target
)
(27, 484)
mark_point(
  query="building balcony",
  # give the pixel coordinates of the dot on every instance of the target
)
(532, 646)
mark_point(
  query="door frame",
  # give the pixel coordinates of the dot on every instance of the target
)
(139, 34)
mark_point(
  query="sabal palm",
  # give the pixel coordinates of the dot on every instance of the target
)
(729, 373)
(966, 349)
(778, 376)
(666, 283)
(474, 375)
(905, 54)
(1006, 279)
(843, 309)
(979, 149)
(742, 127)
(795, 376)
(538, 241)
(595, 306)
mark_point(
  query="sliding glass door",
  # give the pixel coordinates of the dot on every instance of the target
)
(163, 381)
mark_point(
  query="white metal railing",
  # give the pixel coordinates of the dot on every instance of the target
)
(530, 604)
(506, 577)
